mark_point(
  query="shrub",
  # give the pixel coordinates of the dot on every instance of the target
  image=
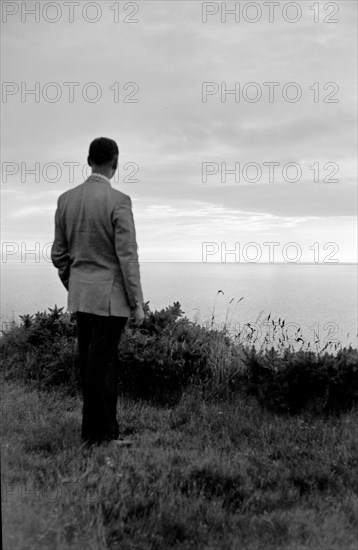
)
(168, 353)
(42, 350)
(157, 360)
(292, 381)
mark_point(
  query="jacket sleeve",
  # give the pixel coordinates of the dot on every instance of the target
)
(60, 255)
(126, 250)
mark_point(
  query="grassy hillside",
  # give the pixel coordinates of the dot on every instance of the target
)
(232, 448)
(214, 476)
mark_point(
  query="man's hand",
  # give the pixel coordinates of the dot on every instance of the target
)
(137, 314)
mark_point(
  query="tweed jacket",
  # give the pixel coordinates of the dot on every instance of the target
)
(95, 249)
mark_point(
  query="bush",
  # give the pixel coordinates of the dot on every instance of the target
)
(42, 350)
(292, 381)
(159, 360)
(168, 353)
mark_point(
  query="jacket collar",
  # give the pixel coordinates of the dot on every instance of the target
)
(102, 178)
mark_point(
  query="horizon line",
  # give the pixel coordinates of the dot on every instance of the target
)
(198, 262)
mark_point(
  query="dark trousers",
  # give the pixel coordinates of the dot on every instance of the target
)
(98, 339)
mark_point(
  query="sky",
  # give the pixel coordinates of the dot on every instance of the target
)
(196, 160)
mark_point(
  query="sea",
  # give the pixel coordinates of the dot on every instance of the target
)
(315, 301)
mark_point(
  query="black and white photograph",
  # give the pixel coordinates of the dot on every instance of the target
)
(179, 316)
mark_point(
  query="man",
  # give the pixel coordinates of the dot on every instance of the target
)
(95, 252)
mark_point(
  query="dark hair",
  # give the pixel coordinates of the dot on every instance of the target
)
(102, 150)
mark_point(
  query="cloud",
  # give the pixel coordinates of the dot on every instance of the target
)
(170, 132)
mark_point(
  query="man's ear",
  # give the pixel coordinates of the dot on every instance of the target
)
(115, 163)
(89, 161)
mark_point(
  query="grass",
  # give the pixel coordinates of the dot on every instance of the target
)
(237, 444)
(200, 475)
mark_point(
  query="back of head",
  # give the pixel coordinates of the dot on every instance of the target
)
(102, 151)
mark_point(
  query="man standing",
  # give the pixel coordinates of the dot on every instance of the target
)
(95, 252)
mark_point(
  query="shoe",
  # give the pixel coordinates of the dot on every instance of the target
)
(121, 442)
(90, 443)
